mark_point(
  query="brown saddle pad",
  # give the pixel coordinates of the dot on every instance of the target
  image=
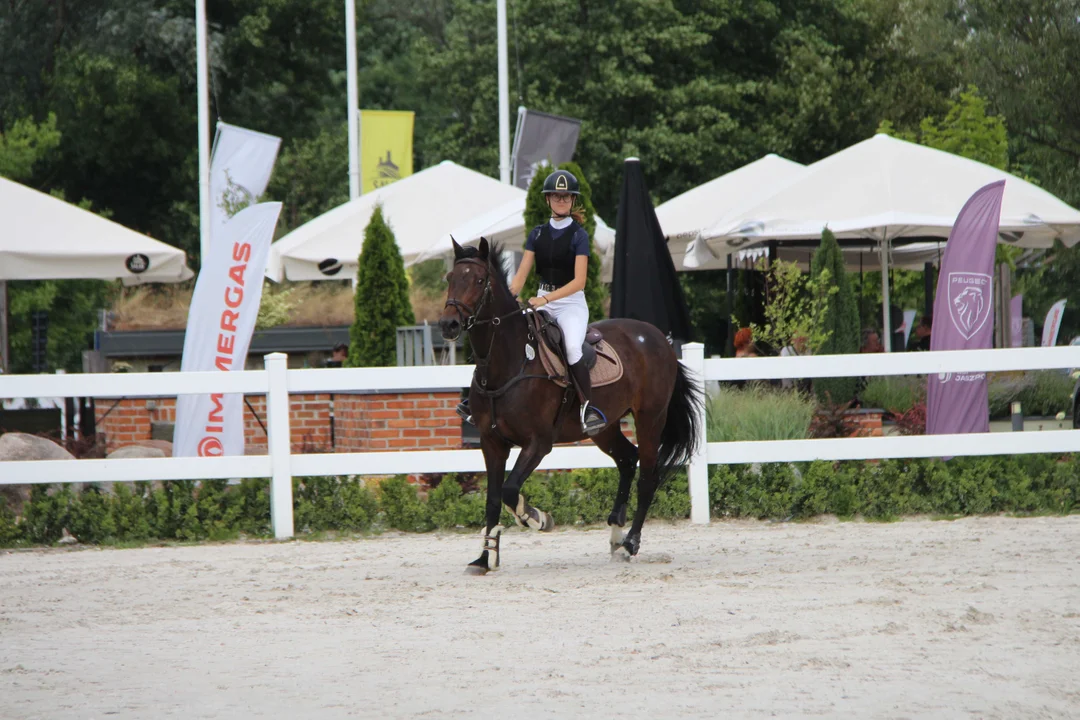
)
(608, 367)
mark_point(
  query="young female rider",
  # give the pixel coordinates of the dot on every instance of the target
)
(560, 250)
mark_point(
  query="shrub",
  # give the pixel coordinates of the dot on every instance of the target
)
(10, 532)
(402, 506)
(1042, 392)
(46, 515)
(896, 395)
(758, 412)
(90, 518)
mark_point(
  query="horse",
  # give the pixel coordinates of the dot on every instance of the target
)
(515, 401)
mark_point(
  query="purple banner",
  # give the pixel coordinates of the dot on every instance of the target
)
(1016, 322)
(963, 315)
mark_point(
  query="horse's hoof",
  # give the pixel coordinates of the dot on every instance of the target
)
(632, 544)
(617, 543)
(480, 566)
(548, 522)
(475, 569)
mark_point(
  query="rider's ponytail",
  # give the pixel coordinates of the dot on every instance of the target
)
(578, 212)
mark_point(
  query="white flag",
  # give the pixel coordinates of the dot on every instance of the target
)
(220, 324)
(239, 172)
(1052, 324)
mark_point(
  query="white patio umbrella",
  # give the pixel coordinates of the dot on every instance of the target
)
(45, 238)
(683, 217)
(506, 225)
(420, 209)
(883, 189)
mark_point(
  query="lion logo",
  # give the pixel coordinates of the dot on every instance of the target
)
(969, 302)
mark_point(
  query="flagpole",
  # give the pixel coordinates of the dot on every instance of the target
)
(354, 99)
(204, 129)
(4, 365)
(886, 335)
(504, 95)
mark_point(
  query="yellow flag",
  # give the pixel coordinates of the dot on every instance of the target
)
(385, 147)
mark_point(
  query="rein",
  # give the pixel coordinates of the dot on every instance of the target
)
(495, 321)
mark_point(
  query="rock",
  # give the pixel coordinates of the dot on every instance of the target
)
(163, 445)
(129, 452)
(15, 447)
(20, 446)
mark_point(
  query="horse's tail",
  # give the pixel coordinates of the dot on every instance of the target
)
(679, 438)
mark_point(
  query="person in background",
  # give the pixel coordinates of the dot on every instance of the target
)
(871, 341)
(339, 356)
(798, 347)
(744, 343)
(920, 335)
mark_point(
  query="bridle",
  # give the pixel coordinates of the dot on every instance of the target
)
(470, 321)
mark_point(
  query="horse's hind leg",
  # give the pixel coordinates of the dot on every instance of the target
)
(648, 437)
(622, 451)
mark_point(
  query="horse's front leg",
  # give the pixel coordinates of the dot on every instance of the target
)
(495, 453)
(523, 513)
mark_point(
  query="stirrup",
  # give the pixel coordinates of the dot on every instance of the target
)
(464, 413)
(592, 419)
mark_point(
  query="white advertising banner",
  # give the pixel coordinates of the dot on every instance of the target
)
(239, 171)
(220, 324)
(1052, 324)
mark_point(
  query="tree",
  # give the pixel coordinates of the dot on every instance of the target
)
(537, 212)
(795, 307)
(1024, 55)
(840, 321)
(966, 130)
(25, 144)
(382, 298)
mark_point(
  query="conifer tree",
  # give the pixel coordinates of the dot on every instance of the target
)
(382, 298)
(840, 319)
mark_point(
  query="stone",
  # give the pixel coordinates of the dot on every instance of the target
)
(164, 446)
(20, 446)
(129, 452)
(16, 447)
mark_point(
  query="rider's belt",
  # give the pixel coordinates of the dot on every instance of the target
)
(548, 287)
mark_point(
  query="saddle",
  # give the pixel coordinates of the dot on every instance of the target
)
(605, 366)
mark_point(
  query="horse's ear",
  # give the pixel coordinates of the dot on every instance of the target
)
(484, 249)
(457, 248)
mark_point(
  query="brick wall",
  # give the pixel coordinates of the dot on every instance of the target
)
(411, 421)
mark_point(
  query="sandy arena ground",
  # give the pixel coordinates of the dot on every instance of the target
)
(974, 618)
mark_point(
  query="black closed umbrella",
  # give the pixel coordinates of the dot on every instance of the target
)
(644, 285)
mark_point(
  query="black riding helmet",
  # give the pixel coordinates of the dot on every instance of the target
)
(561, 181)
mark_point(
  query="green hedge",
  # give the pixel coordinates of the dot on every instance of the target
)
(214, 510)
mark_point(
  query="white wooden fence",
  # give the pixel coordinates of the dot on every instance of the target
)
(280, 465)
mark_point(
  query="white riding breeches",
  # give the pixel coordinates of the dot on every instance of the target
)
(572, 314)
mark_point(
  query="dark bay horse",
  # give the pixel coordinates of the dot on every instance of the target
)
(514, 402)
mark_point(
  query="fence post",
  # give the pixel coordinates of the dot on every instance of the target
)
(279, 445)
(693, 355)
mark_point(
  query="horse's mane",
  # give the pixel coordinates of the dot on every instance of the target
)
(494, 260)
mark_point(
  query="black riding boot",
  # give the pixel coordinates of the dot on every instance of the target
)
(592, 420)
(464, 412)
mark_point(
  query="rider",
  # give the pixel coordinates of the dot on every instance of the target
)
(560, 249)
